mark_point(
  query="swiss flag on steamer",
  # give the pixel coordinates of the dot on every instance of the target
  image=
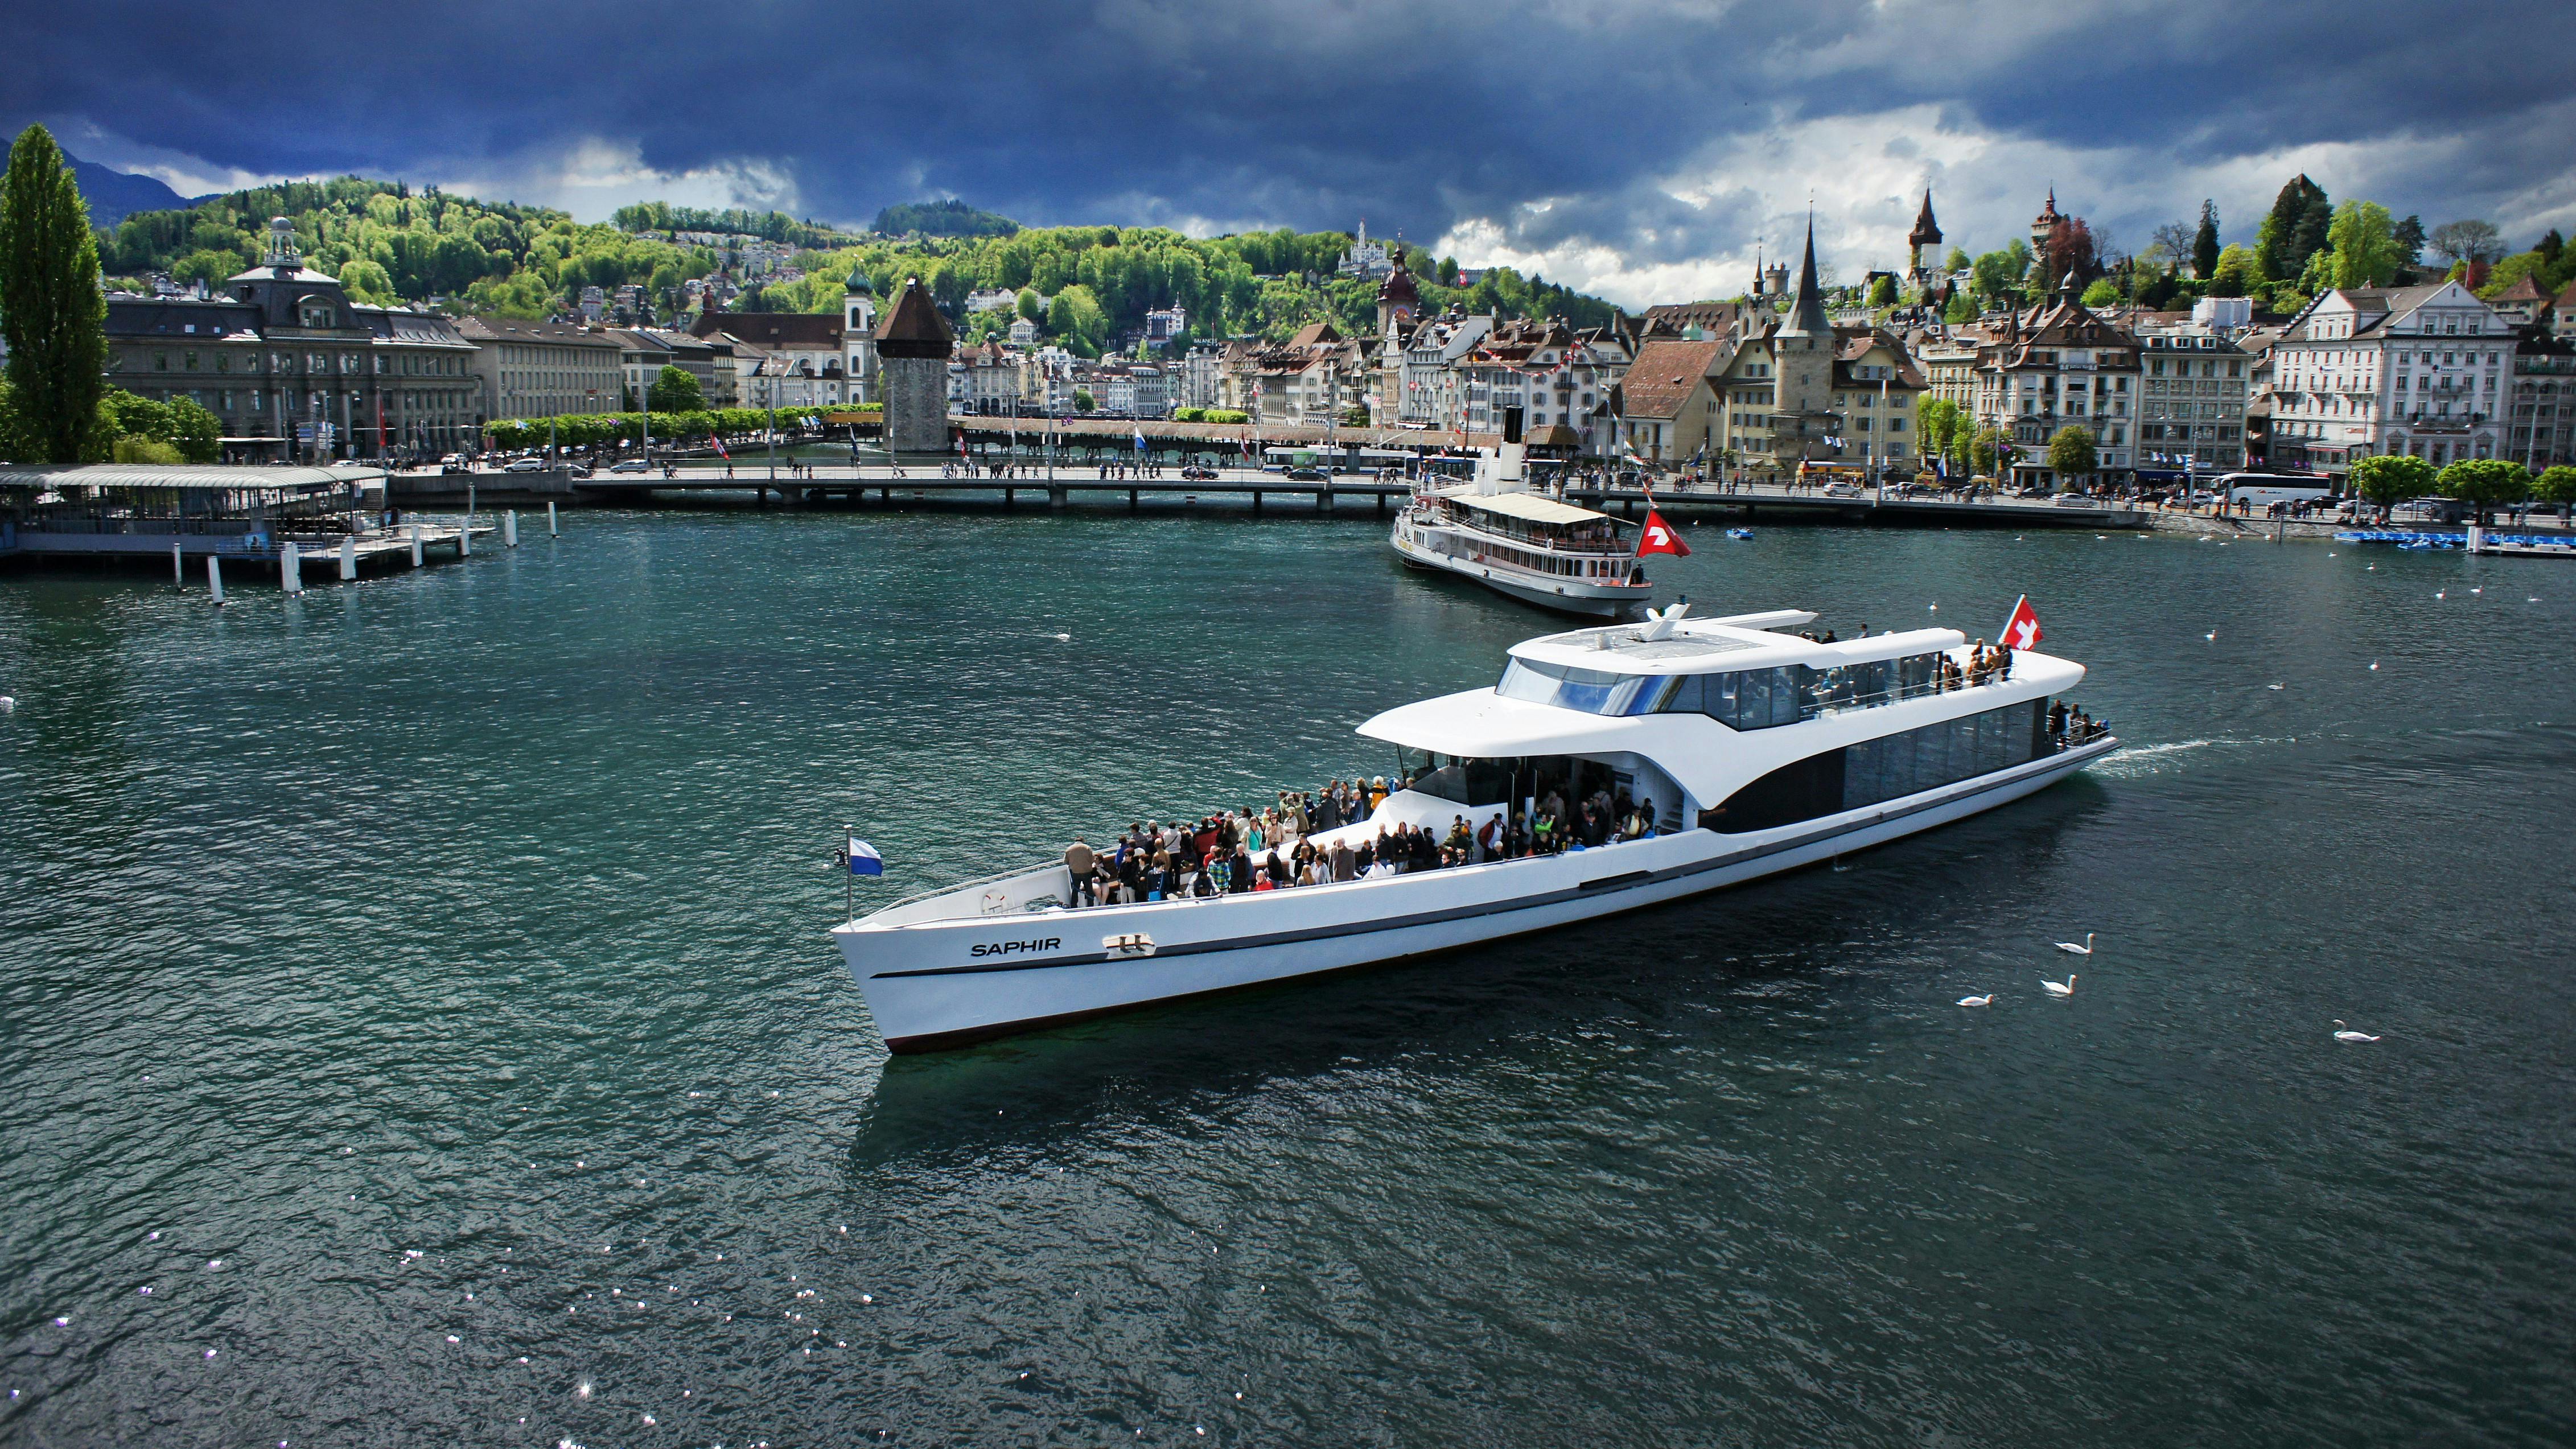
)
(2021, 631)
(1658, 537)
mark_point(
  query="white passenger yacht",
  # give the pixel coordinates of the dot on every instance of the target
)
(1755, 750)
(1494, 530)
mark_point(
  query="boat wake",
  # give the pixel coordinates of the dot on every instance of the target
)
(2149, 759)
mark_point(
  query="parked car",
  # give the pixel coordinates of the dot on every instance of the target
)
(630, 465)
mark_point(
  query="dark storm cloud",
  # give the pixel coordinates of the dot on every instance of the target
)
(1417, 115)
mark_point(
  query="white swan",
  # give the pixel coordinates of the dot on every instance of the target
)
(2350, 1035)
(2074, 950)
(1976, 1001)
(2061, 988)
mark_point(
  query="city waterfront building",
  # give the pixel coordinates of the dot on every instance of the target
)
(1202, 368)
(811, 348)
(2544, 400)
(1551, 374)
(645, 351)
(1876, 386)
(2193, 387)
(1948, 361)
(2419, 370)
(288, 363)
(529, 369)
(2065, 368)
(1667, 405)
(987, 379)
(1431, 393)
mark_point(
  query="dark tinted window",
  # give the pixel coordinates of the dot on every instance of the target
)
(1887, 768)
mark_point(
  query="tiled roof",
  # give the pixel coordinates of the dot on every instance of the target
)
(1664, 376)
(913, 326)
(521, 329)
(805, 330)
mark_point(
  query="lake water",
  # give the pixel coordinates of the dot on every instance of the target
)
(444, 957)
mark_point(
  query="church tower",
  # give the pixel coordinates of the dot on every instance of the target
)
(1926, 233)
(1399, 301)
(858, 337)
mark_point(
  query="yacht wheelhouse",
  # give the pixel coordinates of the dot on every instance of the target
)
(1752, 749)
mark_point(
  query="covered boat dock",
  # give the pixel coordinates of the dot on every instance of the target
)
(250, 514)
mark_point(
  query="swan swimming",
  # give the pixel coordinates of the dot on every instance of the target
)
(2072, 949)
(2061, 988)
(2347, 1034)
(1976, 1001)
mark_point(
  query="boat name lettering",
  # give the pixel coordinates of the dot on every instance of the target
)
(1013, 948)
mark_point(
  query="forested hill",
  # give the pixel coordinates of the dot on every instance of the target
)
(942, 218)
(1084, 285)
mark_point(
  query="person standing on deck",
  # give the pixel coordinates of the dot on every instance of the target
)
(1079, 858)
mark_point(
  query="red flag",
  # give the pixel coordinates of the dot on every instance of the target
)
(1658, 537)
(2021, 631)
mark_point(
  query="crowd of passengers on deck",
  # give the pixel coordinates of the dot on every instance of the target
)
(1239, 852)
(1244, 851)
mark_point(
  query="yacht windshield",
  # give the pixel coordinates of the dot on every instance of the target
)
(1593, 691)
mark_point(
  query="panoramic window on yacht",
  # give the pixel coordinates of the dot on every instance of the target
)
(1744, 699)
(1594, 691)
(1887, 768)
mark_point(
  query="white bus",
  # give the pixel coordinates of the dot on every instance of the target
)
(2262, 490)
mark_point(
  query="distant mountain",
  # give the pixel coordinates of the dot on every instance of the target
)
(112, 195)
(942, 218)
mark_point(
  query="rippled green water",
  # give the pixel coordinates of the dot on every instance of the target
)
(478, 914)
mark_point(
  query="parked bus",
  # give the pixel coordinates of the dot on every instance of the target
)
(2262, 490)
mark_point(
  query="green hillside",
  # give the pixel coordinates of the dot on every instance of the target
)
(942, 218)
(390, 243)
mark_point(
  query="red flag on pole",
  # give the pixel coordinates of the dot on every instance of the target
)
(2021, 631)
(1658, 537)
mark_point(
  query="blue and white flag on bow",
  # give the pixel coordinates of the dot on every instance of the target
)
(861, 857)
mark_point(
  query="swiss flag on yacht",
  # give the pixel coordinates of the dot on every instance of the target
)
(2021, 631)
(1658, 537)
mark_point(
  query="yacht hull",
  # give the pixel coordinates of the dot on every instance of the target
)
(940, 984)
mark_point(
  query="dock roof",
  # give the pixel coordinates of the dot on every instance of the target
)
(185, 475)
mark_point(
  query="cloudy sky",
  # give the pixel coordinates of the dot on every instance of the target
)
(1640, 149)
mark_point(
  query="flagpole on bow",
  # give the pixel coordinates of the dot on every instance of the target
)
(849, 883)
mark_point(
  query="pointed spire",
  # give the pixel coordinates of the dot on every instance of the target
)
(1927, 232)
(1807, 313)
